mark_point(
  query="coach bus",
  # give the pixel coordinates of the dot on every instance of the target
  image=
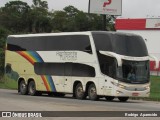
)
(94, 64)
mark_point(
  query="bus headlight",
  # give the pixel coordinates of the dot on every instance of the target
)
(118, 85)
(119, 92)
(147, 87)
(148, 93)
(121, 86)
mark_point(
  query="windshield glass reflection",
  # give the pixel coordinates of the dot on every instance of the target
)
(134, 71)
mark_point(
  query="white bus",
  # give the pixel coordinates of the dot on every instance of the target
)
(94, 64)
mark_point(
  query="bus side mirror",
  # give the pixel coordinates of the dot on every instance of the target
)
(156, 61)
(118, 58)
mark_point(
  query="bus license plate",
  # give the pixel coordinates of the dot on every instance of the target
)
(135, 94)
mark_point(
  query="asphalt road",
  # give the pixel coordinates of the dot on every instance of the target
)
(10, 100)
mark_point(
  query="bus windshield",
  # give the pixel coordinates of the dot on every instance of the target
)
(133, 71)
(123, 44)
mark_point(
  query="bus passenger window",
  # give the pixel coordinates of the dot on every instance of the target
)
(107, 65)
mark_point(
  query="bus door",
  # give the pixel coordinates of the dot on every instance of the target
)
(101, 85)
(107, 87)
(59, 79)
(68, 77)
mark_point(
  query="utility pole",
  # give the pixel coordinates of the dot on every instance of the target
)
(104, 22)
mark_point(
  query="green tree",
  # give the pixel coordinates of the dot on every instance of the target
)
(96, 21)
(110, 23)
(82, 21)
(71, 12)
(13, 16)
(59, 19)
(39, 18)
(3, 36)
(71, 19)
(40, 4)
(18, 17)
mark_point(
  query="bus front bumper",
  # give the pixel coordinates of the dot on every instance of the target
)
(122, 92)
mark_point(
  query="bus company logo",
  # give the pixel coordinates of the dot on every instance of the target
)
(67, 55)
(108, 2)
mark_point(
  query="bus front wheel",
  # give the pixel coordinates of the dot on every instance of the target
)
(123, 99)
(32, 88)
(92, 92)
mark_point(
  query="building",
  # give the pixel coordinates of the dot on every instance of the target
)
(149, 29)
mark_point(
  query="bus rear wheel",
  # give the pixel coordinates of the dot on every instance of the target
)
(123, 99)
(22, 88)
(92, 92)
(109, 98)
(79, 92)
(32, 88)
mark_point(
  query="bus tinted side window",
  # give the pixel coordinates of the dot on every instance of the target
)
(64, 69)
(50, 43)
(49, 68)
(102, 42)
(107, 65)
(82, 70)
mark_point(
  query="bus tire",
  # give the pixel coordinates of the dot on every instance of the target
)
(92, 93)
(32, 88)
(79, 92)
(22, 88)
(109, 98)
(123, 99)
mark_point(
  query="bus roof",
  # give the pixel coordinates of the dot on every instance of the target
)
(72, 33)
(50, 34)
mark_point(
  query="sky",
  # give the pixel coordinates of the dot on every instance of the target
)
(130, 8)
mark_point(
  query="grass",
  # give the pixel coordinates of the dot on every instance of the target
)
(11, 84)
(155, 88)
(2, 85)
(8, 84)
